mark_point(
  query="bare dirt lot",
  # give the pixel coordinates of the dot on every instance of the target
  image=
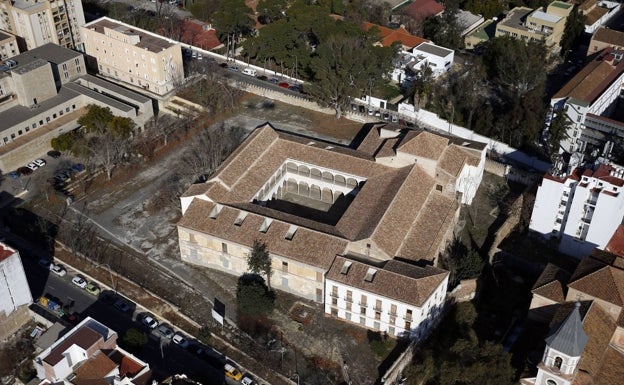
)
(121, 209)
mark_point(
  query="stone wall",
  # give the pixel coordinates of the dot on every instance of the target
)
(9, 325)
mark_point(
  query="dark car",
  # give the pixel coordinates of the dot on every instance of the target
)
(14, 174)
(78, 167)
(234, 68)
(54, 154)
(24, 171)
(283, 84)
(295, 87)
(274, 80)
(262, 77)
(223, 65)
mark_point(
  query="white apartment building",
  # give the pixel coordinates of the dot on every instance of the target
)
(40, 22)
(399, 298)
(133, 56)
(425, 56)
(580, 211)
(587, 100)
(14, 290)
(8, 46)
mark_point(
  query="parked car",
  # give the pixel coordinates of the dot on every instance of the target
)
(78, 167)
(58, 270)
(274, 80)
(165, 331)
(79, 281)
(180, 339)
(93, 289)
(149, 321)
(295, 87)
(262, 77)
(24, 170)
(232, 372)
(39, 162)
(121, 306)
(46, 264)
(248, 380)
(32, 166)
(14, 175)
(54, 154)
(283, 84)
(234, 68)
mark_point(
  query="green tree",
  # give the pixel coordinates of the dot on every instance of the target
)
(121, 127)
(134, 339)
(96, 119)
(271, 10)
(259, 261)
(65, 142)
(559, 127)
(574, 28)
(444, 30)
(232, 19)
(253, 296)
(487, 8)
(461, 262)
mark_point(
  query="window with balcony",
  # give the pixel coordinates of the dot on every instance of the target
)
(334, 292)
(362, 310)
(349, 297)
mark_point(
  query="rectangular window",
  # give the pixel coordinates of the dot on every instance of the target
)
(334, 301)
(391, 330)
(393, 310)
(363, 310)
(348, 316)
(378, 305)
(284, 266)
(349, 306)
(363, 300)
(349, 296)
(319, 276)
(334, 291)
(362, 321)
(224, 247)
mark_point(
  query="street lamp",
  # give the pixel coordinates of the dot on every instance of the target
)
(111, 276)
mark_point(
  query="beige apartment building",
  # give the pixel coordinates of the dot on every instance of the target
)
(536, 25)
(39, 22)
(133, 56)
(8, 46)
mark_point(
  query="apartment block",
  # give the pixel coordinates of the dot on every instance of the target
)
(44, 91)
(8, 46)
(40, 22)
(580, 211)
(397, 298)
(133, 56)
(587, 100)
(536, 25)
(14, 292)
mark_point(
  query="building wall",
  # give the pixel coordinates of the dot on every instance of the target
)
(8, 47)
(364, 311)
(550, 207)
(14, 289)
(550, 39)
(158, 72)
(289, 275)
(35, 86)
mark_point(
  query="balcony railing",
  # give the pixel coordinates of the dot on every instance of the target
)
(392, 313)
(334, 295)
(377, 308)
(348, 299)
(362, 304)
(408, 317)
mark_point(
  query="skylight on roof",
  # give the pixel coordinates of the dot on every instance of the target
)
(241, 217)
(265, 225)
(370, 275)
(291, 232)
(345, 267)
(215, 211)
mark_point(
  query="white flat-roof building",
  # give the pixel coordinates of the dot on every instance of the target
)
(14, 292)
(580, 211)
(425, 56)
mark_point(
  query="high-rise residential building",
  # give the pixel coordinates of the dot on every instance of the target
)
(39, 22)
(8, 46)
(133, 56)
(580, 211)
(14, 292)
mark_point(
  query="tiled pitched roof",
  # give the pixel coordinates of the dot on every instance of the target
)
(389, 36)
(396, 280)
(95, 368)
(609, 36)
(198, 34)
(616, 243)
(606, 283)
(5, 252)
(423, 144)
(599, 327)
(592, 80)
(594, 15)
(84, 337)
(612, 369)
(551, 283)
(308, 246)
(422, 9)
(128, 367)
(454, 158)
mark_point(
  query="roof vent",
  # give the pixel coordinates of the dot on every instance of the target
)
(370, 275)
(345, 267)
(241, 217)
(265, 225)
(215, 211)
(291, 232)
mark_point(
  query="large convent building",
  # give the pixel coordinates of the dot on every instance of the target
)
(374, 219)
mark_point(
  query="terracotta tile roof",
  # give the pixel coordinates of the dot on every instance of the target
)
(396, 280)
(607, 283)
(594, 15)
(389, 36)
(308, 246)
(454, 158)
(422, 9)
(551, 283)
(423, 144)
(599, 327)
(84, 337)
(95, 368)
(128, 367)
(609, 36)
(199, 34)
(5, 252)
(399, 217)
(429, 229)
(616, 243)
(612, 369)
(592, 80)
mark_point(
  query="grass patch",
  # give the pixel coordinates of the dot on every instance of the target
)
(379, 343)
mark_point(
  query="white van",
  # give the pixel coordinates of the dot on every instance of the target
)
(249, 71)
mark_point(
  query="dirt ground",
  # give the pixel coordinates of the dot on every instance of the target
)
(120, 209)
